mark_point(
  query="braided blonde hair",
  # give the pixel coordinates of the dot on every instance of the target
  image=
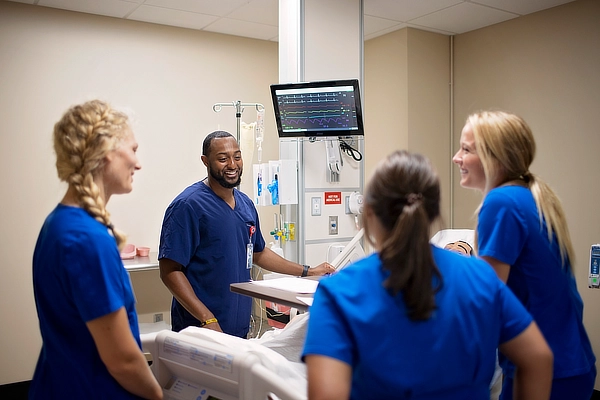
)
(82, 138)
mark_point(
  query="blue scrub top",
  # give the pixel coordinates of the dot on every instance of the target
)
(452, 355)
(509, 230)
(78, 276)
(209, 239)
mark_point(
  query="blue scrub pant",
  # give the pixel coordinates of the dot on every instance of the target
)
(580, 387)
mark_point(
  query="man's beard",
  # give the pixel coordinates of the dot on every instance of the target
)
(222, 181)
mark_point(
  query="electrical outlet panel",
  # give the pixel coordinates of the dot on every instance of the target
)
(594, 272)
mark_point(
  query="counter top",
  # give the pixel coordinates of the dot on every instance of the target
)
(142, 263)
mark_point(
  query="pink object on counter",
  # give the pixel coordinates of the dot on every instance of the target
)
(143, 251)
(128, 252)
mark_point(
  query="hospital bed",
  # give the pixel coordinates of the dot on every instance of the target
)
(201, 364)
(445, 236)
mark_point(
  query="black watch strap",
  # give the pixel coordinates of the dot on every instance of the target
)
(305, 271)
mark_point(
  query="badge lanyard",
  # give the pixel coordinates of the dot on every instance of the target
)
(250, 248)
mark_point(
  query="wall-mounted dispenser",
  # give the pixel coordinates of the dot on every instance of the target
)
(355, 206)
(355, 203)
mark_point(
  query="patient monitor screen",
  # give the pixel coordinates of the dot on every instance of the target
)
(329, 108)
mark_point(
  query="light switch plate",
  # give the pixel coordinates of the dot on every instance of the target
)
(315, 206)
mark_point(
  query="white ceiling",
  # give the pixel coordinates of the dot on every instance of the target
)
(258, 19)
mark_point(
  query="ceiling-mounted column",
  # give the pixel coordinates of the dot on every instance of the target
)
(291, 41)
(333, 39)
(319, 40)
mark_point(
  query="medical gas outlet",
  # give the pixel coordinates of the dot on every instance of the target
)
(333, 225)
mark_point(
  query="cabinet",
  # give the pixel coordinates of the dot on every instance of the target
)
(153, 299)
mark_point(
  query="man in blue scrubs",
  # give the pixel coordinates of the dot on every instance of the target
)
(210, 238)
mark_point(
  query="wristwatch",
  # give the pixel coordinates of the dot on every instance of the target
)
(305, 270)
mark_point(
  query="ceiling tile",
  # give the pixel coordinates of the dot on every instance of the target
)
(211, 7)
(522, 7)
(259, 18)
(463, 17)
(260, 11)
(405, 10)
(243, 28)
(384, 31)
(111, 8)
(375, 26)
(165, 16)
(429, 29)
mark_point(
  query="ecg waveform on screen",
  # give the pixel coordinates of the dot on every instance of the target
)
(317, 111)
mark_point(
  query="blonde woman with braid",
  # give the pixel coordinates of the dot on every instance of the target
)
(414, 321)
(522, 233)
(91, 345)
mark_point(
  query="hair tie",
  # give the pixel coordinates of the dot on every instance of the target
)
(526, 176)
(411, 198)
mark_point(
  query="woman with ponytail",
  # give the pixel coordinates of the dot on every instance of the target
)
(522, 233)
(91, 344)
(414, 321)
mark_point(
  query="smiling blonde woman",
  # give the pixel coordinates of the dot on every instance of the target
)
(523, 234)
(91, 343)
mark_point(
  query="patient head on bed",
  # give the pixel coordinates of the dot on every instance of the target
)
(460, 246)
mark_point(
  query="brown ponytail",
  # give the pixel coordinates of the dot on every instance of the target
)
(404, 194)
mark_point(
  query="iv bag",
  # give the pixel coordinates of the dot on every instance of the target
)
(247, 142)
(260, 125)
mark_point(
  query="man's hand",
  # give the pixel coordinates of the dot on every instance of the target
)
(321, 269)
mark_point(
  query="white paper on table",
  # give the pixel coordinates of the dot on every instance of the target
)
(306, 300)
(295, 285)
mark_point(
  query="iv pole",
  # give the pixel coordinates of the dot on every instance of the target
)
(239, 109)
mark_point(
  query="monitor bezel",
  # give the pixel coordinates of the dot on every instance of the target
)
(319, 85)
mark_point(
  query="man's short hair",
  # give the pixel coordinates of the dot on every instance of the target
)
(209, 138)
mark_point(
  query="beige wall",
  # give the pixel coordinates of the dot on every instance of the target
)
(545, 67)
(407, 100)
(385, 97)
(170, 77)
(429, 103)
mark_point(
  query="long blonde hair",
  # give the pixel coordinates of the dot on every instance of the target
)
(506, 147)
(82, 139)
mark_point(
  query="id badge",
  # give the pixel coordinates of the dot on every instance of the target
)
(249, 254)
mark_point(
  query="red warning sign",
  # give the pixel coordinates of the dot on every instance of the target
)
(333, 198)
